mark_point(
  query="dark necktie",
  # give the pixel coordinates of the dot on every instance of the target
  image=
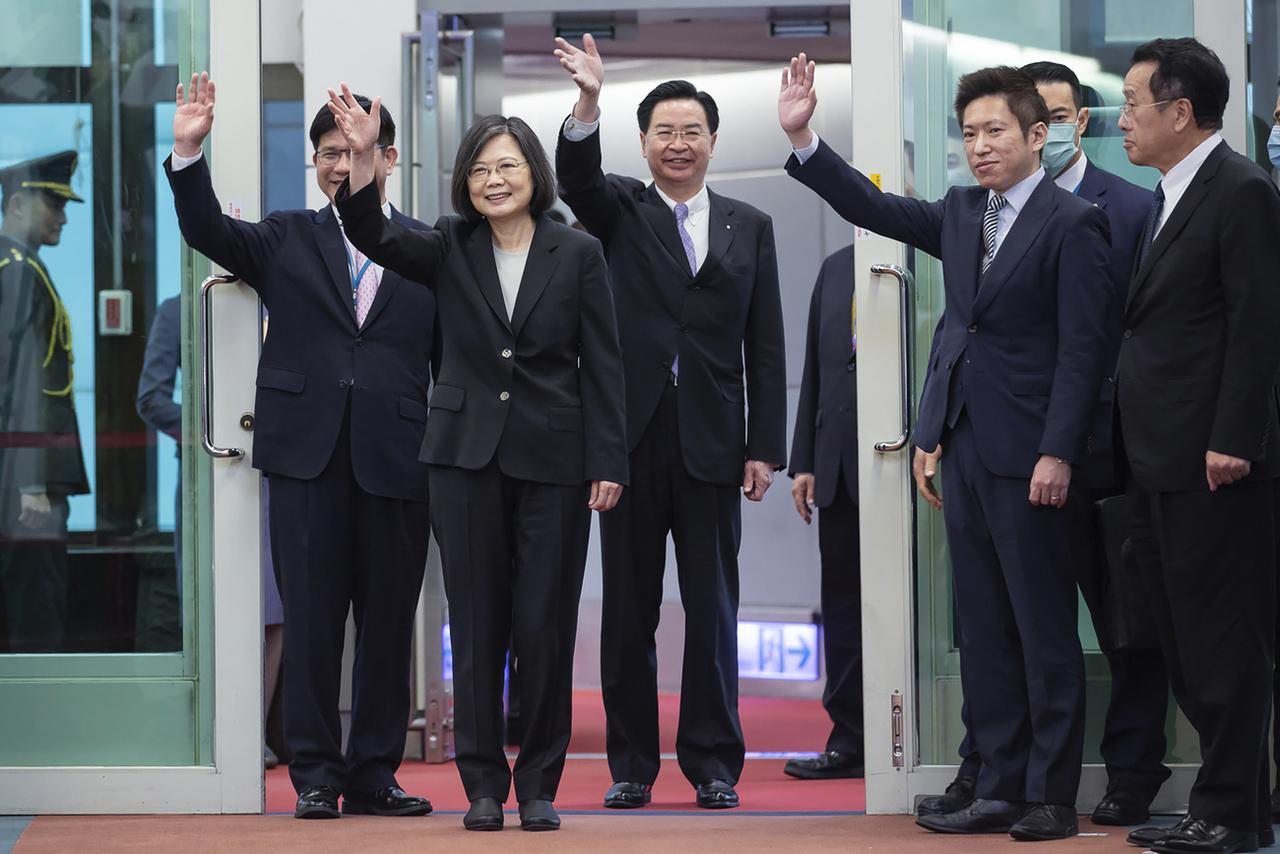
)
(990, 228)
(1153, 217)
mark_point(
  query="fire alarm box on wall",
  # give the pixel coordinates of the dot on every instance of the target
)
(115, 312)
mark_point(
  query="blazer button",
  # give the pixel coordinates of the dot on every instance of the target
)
(973, 328)
(505, 396)
(1128, 333)
(684, 327)
(342, 384)
(359, 340)
(852, 365)
(506, 354)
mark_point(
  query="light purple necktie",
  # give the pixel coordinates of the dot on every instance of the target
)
(682, 216)
(366, 290)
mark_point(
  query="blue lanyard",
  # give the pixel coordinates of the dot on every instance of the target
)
(355, 281)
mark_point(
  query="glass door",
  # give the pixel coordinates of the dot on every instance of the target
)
(129, 651)
(913, 695)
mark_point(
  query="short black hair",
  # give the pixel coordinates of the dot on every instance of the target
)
(475, 139)
(324, 122)
(1014, 84)
(1185, 68)
(677, 90)
(1056, 72)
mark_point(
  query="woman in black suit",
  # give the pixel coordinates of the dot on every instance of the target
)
(526, 434)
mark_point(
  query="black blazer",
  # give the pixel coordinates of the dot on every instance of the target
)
(728, 315)
(316, 361)
(542, 390)
(825, 442)
(1202, 332)
(1126, 206)
(1023, 349)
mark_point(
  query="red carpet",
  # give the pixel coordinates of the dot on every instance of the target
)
(770, 725)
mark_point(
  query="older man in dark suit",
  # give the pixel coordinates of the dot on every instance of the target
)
(1198, 409)
(695, 281)
(1012, 379)
(341, 407)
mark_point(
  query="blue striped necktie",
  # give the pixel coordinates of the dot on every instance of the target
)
(990, 227)
(1149, 231)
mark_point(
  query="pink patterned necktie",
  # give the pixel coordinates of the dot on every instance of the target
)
(367, 288)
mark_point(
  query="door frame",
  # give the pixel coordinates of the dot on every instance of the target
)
(233, 783)
(886, 492)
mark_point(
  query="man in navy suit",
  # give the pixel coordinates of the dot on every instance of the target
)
(824, 472)
(1010, 391)
(341, 411)
(1133, 742)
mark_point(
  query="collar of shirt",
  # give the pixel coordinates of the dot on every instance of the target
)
(1070, 179)
(698, 205)
(1176, 181)
(1018, 194)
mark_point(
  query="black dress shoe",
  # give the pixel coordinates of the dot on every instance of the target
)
(1147, 836)
(317, 802)
(959, 795)
(628, 796)
(1266, 836)
(1046, 821)
(538, 815)
(485, 814)
(1204, 837)
(389, 801)
(1121, 807)
(981, 816)
(828, 765)
(717, 795)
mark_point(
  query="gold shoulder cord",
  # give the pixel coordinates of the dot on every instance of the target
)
(59, 333)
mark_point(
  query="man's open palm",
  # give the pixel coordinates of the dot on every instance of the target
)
(194, 117)
(585, 66)
(797, 98)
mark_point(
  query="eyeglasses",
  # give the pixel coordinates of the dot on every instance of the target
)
(505, 170)
(331, 156)
(1127, 109)
(692, 136)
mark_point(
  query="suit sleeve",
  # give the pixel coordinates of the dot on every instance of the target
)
(159, 369)
(852, 195)
(928, 371)
(1250, 257)
(802, 438)
(244, 248)
(601, 378)
(592, 197)
(1085, 291)
(415, 254)
(764, 354)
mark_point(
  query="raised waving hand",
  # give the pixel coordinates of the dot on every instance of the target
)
(797, 100)
(586, 68)
(194, 117)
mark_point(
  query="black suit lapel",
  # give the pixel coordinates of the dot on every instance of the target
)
(1092, 188)
(970, 242)
(720, 232)
(333, 249)
(478, 251)
(663, 223)
(390, 280)
(538, 267)
(1026, 228)
(1186, 206)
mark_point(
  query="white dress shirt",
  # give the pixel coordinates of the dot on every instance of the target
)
(1176, 181)
(510, 272)
(1016, 196)
(1070, 179)
(178, 163)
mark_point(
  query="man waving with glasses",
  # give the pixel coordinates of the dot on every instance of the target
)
(341, 411)
(695, 282)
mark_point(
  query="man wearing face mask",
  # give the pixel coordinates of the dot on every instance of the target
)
(1273, 141)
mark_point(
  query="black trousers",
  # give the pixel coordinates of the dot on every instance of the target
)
(33, 578)
(514, 553)
(1133, 739)
(337, 548)
(842, 620)
(705, 520)
(1022, 668)
(1208, 562)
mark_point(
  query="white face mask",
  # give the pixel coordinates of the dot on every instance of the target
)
(1059, 147)
(1273, 146)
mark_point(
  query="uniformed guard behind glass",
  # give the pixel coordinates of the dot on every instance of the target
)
(40, 459)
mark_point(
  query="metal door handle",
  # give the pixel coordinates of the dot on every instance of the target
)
(206, 378)
(904, 352)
